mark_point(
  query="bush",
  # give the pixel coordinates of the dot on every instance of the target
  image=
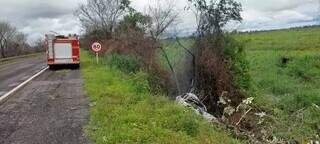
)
(125, 63)
(159, 80)
(154, 80)
(235, 54)
(140, 79)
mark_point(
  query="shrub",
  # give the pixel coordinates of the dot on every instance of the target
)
(156, 80)
(125, 63)
(140, 79)
(239, 66)
(159, 80)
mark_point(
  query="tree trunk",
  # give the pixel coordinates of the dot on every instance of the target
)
(172, 70)
(2, 52)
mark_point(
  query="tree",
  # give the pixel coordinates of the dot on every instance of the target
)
(19, 42)
(7, 33)
(215, 14)
(212, 76)
(135, 22)
(102, 15)
(163, 15)
(39, 44)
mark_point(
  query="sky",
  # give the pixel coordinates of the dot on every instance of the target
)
(38, 17)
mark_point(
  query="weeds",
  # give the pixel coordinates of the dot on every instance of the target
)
(124, 111)
(125, 63)
(239, 65)
(290, 89)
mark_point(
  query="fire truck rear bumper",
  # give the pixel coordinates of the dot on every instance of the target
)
(63, 62)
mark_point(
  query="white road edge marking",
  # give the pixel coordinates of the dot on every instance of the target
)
(6, 96)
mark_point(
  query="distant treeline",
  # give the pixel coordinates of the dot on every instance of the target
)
(292, 28)
(14, 43)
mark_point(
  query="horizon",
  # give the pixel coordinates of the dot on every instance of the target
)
(50, 15)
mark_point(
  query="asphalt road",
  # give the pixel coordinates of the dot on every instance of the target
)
(14, 72)
(51, 109)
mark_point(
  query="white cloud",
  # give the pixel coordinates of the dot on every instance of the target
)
(37, 17)
(66, 24)
(258, 14)
(273, 14)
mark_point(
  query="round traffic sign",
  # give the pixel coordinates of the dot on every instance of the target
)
(96, 47)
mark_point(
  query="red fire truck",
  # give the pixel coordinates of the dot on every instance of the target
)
(63, 50)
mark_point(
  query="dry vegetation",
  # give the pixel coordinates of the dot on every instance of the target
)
(14, 43)
(213, 66)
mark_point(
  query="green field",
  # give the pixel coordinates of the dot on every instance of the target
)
(291, 85)
(285, 77)
(123, 110)
(285, 68)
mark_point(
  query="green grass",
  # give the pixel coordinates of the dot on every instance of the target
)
(175, 52)
(289, 39)
(289, 91)
(122, 110)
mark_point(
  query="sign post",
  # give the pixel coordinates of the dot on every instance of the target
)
(97, 57)
(96, 47)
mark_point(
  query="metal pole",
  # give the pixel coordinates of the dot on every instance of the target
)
(97, 57)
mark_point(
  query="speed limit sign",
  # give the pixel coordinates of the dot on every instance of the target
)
(96, 47)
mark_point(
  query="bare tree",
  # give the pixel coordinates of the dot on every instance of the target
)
(101, 14)
(7, 32)
(39, 45)
(163, 15)
(20, 44)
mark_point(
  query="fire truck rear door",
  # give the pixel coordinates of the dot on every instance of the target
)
(63, 52)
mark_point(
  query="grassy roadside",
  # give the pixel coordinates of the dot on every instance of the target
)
(122, 110)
